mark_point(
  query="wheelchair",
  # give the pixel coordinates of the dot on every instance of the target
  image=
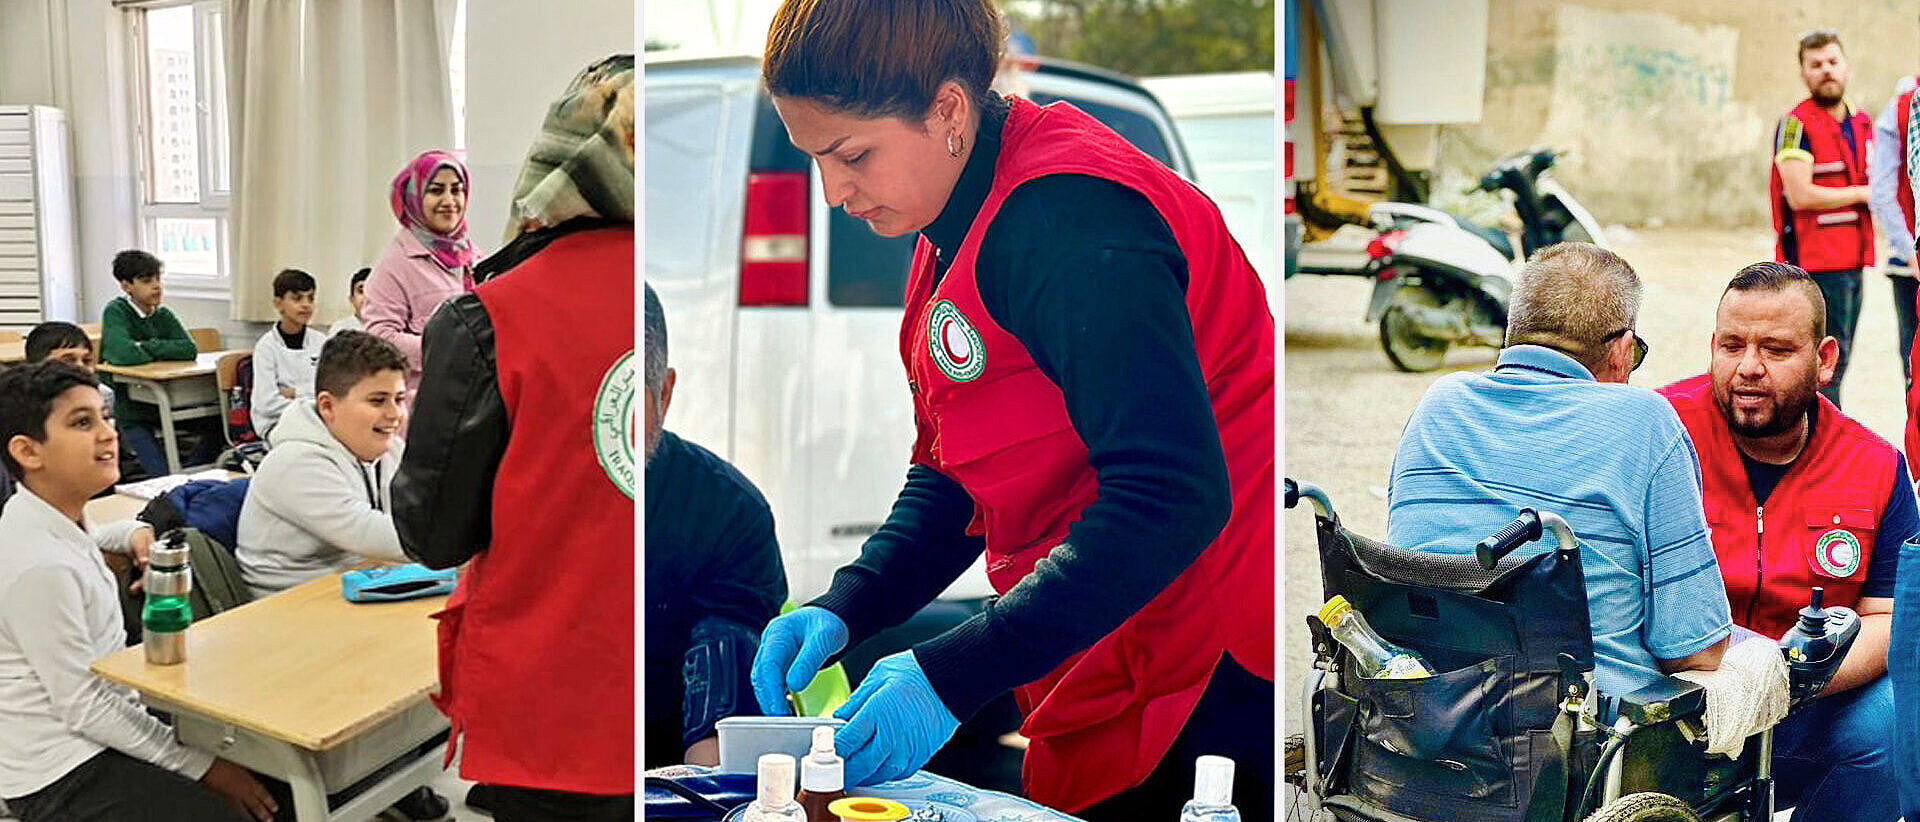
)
(1509, 728)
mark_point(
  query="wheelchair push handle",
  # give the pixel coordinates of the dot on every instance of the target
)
(1322, 507)
(1527, 527)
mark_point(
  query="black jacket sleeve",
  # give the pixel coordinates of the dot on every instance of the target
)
(1088, 276)
(920, 550)
(443, 495)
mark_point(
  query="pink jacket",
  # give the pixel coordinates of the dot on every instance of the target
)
(406, 287)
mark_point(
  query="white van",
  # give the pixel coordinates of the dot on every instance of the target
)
(1226, 122)
(783, 316)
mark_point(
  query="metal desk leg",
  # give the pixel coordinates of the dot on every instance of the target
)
(303, 776)
(172, 445)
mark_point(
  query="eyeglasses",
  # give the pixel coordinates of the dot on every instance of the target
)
(1639, 345)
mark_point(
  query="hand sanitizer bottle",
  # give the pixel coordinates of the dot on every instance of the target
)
(775, 800)
(1212, 792)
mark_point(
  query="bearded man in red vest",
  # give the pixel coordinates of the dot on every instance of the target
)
(521, 465)
(1819, 190)
(1798, 495)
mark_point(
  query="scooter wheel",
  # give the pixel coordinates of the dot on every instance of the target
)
(1645, 807)
(1406, 348)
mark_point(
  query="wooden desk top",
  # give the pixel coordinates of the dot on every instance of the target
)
(303, 666)
(114, 507)
(203, 365)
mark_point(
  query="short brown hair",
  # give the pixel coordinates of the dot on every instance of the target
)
(351, 356)
(1772, 276)
(1571, 297)
(882, 58)
(1818, 39)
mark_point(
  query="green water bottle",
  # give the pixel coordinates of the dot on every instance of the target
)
(169, 608)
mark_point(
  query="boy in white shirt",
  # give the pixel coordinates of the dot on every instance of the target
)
(285, 357)
(356, 297)
(318, 503)
(77, 747)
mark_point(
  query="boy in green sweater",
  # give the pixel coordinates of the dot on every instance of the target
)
(136, 329)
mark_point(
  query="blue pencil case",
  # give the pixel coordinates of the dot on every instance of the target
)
(399, 582)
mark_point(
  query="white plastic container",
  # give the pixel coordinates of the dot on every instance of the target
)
(743, 739)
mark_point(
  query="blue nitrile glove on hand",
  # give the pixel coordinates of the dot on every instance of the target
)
(895, 722)
(793, 648)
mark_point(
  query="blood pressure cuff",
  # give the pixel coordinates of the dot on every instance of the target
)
(716, 669)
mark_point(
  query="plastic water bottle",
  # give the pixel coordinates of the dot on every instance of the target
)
(1377, 658)
(774, 800)
(1212, 792)
(169, 608)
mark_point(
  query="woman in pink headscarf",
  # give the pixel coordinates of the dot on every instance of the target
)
(430, 259)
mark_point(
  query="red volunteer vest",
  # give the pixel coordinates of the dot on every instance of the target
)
(1835, 239)
(988, 418)
(1818, 525)
(536, 644)
(1903, 192)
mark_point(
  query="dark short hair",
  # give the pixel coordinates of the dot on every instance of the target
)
(52, 336)
(656, 342)
(1772, 276)
(27, 393)
(351, 356)
(134, 264)
(292, 281)
(358, 278)
(1818, 39)
(882, 58)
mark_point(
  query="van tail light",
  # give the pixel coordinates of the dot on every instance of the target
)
(1384, 243)
(773, 243)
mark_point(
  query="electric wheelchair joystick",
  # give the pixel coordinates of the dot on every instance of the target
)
(1816, 646)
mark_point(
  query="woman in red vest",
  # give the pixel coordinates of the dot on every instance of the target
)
(1091, 362)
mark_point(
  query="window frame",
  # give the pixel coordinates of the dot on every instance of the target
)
(212, 140)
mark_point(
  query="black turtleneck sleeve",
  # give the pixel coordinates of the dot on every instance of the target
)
(1087, 275)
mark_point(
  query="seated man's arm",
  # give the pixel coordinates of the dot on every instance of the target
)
(742, 589)
(1687, 621)
(1899, 524)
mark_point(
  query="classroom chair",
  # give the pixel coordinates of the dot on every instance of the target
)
(208, 340)
(234, 394)
(9, 335)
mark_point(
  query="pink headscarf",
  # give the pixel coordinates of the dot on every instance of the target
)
(452, 250)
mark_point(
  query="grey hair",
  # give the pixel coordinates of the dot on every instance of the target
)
(1570, 297)
(656, 344)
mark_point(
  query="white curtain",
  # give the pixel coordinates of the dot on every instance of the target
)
(328, 100)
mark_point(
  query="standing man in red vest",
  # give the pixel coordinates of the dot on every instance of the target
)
(1819, 190)
(521, 465)
(1799, 495)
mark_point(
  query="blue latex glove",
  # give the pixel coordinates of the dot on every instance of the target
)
(793, 648)
(895, 722)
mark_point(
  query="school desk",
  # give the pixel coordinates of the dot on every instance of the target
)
(307, 687)
(182, 390)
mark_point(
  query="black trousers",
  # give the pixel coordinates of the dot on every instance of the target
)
(1234, 719)
(1842, 292)
(535, 805)
(114, 787)
(1903, 310)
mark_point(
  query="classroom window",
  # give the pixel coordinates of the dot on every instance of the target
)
(185, 175)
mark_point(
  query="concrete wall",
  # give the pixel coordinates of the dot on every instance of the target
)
(519, 58)
(1670, 104)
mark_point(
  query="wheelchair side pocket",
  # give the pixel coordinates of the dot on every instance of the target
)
(1438, 738)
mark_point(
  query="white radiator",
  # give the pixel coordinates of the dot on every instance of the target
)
(38, 241)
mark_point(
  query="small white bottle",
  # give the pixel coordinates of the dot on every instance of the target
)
(1212, 792)
(822, 778)
(775, 800)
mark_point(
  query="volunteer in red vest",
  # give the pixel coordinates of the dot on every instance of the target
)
(1819, 190)
(1799, 495)
(521, 464)
(1890, 177)
(1090, 357)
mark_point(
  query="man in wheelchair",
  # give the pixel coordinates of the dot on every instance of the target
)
(1799, 495)
(1496, 733)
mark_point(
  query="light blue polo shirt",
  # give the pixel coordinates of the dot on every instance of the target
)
(1613, 460)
